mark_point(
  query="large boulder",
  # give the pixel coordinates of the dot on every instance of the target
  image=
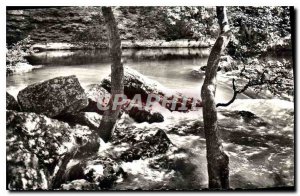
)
(53, 97)
(89, 119)
(140, 143)
(136, 83)
(11, 103)
(96, 95)
(38, 148)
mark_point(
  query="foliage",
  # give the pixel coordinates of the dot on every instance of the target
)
(16, 53)
(257, 29)
(92, 33)
(188, 23)
(274, 76)
(169, 23)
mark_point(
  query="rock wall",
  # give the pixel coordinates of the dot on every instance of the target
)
(60, 24)
(86, 24)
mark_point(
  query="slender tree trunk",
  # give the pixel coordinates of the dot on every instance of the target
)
(110, 116)
(217, 160)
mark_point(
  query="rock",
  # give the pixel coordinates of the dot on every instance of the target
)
(79, 185)
(204, 67)
(90, 119)
(145, 115)
(136, 83)
(227, 64)
(142, 143)
(53, 97)
(95, 173)
(37, 146)
(188, 127)
(240, 114)
(96, 94)
(11, 103)
(198, 74)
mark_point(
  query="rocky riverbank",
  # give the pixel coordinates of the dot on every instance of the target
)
(52, 141)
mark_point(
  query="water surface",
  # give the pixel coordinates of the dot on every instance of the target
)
(170, 67)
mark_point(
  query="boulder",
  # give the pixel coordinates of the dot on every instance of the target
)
(136, 83)
(95, 173)
(141, 143)
(144, 115)
(90, 119)
(53, 97)
(96, 94)
(38, 147)
(11, 103)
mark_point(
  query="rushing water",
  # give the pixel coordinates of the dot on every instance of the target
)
(171, 67)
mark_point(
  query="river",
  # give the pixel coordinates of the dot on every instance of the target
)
(171, 67)
(260, 150)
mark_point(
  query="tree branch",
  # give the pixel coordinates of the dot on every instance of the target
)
(260, 81)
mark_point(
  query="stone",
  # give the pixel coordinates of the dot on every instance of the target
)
(198, 74)
(94, 173)
(227, 64)
(53, 97)
(79, 185)
(89, 119)
(145, 115)
(36, 147)
(96, 95)
(141, 143)
(136, 83)
(11, 103)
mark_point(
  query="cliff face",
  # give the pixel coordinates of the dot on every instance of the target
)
(86, 24)
(49, 25)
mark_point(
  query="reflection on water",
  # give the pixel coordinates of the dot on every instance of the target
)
(81, 57)
(171, 67)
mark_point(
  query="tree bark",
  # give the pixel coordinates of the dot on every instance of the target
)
(110, 116)
(217, 160)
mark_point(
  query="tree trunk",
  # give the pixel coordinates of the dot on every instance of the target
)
(110, 116)
(217, 160)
